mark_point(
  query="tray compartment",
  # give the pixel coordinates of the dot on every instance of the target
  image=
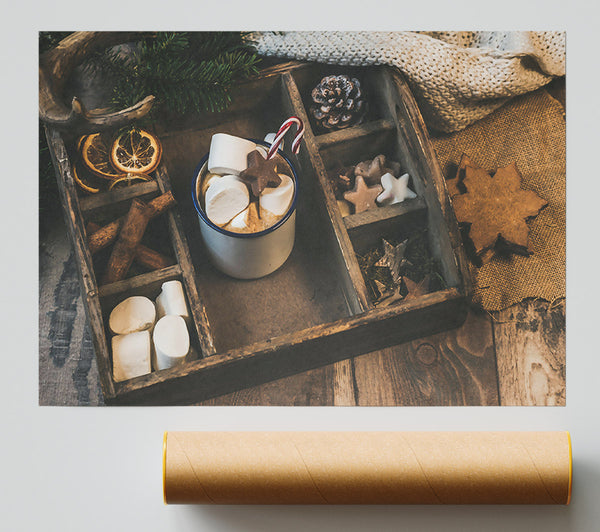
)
(305, 291)
(157, 235)
(355, 290)
(308, 78)
(148, 285)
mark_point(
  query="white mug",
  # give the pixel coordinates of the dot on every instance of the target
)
(247, 255)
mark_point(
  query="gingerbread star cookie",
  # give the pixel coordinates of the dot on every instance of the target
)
(363, 197)
(394, 190)
(261, 173)
(372, 170)
(496, 207)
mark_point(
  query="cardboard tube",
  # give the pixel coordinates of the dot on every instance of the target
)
(367, 467)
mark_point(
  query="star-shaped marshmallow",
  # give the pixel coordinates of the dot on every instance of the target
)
(394, 190)
(261, 173)
(393, 258)
(362, 197)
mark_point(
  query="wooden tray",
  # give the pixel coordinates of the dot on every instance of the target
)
(314, 310)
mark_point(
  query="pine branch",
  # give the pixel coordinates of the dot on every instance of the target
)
(186, 72)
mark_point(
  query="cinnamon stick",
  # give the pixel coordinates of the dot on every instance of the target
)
(153, 260)
(132, 231)
(106, 235)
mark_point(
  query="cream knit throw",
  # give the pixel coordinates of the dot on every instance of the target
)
(456, 77)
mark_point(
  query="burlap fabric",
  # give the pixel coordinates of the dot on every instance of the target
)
(456, 77)
(529, 130)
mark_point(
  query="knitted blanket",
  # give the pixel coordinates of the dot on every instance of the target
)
(456, 77)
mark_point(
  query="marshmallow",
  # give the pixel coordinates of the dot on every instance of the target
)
(225, 197)
(277, 199)
(394, 190)
(228, 154)
(135, 313)
(240, 222)
(206, 182)
(131, 355)
(171, 342)
(171, 301)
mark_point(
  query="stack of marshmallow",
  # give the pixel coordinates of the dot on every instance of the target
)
(227, 201)
(141, 342)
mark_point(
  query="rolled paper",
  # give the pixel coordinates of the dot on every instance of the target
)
(171, 341)
(171, 300)
(277, 199)
(131, 355)
(228, 154)
(367, 467)
(225, 198)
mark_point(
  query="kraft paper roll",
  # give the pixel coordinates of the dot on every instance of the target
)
(367, 468)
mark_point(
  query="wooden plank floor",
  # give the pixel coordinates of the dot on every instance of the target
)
(515, 357)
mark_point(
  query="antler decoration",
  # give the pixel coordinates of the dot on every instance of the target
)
(57, 64)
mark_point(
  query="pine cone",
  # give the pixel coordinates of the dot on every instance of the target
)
(338, 102)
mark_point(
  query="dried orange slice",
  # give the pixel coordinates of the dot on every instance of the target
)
(87, 181)
(128, 180)
(136, 152)
(95, 155)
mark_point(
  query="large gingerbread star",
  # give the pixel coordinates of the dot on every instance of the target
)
(261, 173)
(372, 170)
(496, 207)
(393, 258)
(394, 190)
(363, 197)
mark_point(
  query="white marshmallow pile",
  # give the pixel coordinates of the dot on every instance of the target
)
(226, 198)
(141, 343)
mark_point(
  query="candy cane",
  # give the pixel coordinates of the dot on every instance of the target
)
(281, 133)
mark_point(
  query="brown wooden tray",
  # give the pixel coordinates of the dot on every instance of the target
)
(314, 310)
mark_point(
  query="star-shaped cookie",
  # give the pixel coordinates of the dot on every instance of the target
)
(394, 190)
(416, 289)
(261, 173)
(363, 197)
(387, 297)
(496, 207)
(393, 258)
(372, 170)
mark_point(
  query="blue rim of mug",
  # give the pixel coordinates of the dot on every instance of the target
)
(205, 218)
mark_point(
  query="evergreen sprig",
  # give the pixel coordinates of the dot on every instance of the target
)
(186, 72)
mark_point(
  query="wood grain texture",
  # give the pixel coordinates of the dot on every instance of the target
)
(453, 368)
(530, 346)
(310, 388)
